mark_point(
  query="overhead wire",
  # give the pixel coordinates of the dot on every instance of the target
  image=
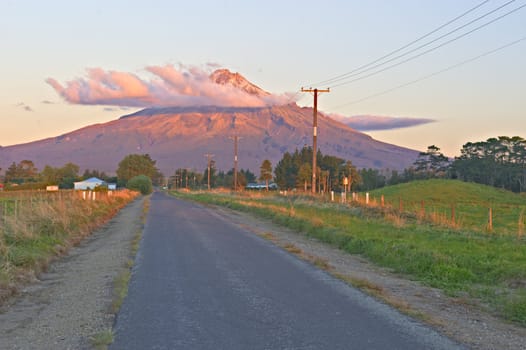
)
(429, 50)
(337, 78)
(431, 42)
(487, 53)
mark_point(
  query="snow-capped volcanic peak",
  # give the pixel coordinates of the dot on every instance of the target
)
(226, 77)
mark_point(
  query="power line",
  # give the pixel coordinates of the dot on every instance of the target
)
(437, 39)
(431, 49)
(487, 53)
(339, 77)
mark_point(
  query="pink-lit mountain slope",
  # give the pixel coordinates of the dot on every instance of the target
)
(179, 137)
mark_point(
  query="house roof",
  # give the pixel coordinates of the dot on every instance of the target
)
(91, 180)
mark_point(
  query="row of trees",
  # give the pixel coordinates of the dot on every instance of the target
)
(498, 162)
(187, 178)
(294, 170)
(24, 175)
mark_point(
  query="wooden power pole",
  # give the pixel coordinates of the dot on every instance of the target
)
(314, 133)
(236, 139)
(209, 157)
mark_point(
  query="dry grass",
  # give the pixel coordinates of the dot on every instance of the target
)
(36, 227)
(269, 236)
(291, 248)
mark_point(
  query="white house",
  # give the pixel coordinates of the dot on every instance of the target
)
(91, 183)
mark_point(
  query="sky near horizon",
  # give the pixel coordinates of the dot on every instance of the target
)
(469, 89)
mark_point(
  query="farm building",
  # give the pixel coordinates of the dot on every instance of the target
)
(91, 183)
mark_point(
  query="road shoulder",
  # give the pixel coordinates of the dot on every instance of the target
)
(71, 301)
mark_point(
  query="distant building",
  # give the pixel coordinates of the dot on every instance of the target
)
(261, 186)
(92, 183)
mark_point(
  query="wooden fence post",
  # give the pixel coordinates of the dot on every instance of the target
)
(490, 219)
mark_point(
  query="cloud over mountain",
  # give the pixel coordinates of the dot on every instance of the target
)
(168, 86)
(374, 122)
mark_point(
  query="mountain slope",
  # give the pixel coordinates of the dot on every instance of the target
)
(179, 137)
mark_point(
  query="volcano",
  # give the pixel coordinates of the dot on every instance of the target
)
(179, 137)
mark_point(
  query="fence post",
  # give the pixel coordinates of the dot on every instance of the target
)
(332, 196)
(366, 198)
(382, 201)
(490, 220)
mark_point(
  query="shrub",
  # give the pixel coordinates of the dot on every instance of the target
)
(141, 183)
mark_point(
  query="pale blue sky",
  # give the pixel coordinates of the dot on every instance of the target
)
(279, 46)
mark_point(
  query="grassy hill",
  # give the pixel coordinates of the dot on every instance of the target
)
(471, 203)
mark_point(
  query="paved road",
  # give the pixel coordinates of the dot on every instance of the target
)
(201, 282)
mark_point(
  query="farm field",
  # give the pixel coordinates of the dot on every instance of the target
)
(36, 226)
(463, 259)
(470, 203)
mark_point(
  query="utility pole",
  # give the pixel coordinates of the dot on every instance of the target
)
(235, 138)
(209, 157)
(314, 133)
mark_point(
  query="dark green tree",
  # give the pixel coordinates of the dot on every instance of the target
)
(140, 183)
(431, 163)
(138, 164)
(304, 177)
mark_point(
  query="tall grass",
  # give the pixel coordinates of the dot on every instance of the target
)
(490, 268)
(35, 227)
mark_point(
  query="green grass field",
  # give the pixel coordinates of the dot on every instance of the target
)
(471, 203)
(462, 262)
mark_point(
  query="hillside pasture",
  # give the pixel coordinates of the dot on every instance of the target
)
(458, 204)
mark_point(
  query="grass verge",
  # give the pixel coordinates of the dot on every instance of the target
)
(37, 227)
(102, 340)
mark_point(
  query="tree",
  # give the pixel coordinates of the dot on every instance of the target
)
(68, 174)
(350, 171)
(431, 163)
(265, 172)
(141, 183)
(137, 164)
(499, 162)
(304, 176)
(286, 171)
(24, 171)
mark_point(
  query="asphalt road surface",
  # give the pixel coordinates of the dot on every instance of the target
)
(200, 282)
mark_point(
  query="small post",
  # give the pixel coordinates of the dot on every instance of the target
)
(332, 196)
(343, 197)
(382, 201)
(490, 219)
(366, 198)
